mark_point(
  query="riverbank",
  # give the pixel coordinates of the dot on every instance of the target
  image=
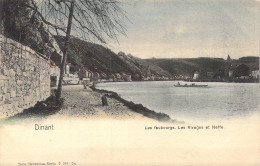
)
(139, 108)
(87, 103)
(80, 103)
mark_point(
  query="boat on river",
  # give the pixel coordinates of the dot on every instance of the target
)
(191, 85)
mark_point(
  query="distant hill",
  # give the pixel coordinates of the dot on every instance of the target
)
(187, 66)
(92, 56)
(98, 58)
(249, 59)
(139, 65)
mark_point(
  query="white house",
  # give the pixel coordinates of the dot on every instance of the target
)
(255, 74)
(196, 75)
(230, 73)
(67, 68)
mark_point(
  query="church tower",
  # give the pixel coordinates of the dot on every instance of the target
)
(227, 68)
(228, 59)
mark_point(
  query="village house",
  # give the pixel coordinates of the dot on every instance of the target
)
(67, 68)
(152, 78)
(103, 75)
(196, 75)
(157, 78)
(244, 71)
(126, 77)
(118, 77)
(145, 78)
(210, 75)
(254, 71)
(230, 74)
(255, 74)
(87, 75)
(236, 70)
(111, 77)
(239, 71)
(83, 73)
(90, 74)
(187, 77)
(69, 78)
(94, 77)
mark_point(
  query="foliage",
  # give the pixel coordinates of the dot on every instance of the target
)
(249, 60)
(188, 66)
(99, 58)
(93, 56)
(18, 24)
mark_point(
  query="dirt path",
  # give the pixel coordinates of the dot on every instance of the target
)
(85, 103)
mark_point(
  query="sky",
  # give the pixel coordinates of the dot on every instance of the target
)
(190, 28)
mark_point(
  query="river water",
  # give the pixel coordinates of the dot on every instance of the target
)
(215, 102)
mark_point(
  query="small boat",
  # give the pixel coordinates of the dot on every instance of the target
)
(192, 85)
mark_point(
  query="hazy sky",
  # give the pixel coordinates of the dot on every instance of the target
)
(191, 28)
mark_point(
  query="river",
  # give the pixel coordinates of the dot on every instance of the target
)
(215, 102)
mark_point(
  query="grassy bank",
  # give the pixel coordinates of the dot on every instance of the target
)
(138, 108)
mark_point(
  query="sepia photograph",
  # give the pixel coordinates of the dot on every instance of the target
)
(129, 83)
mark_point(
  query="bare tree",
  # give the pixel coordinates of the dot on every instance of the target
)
(99, 20)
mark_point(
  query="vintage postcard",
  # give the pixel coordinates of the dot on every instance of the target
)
(129, 82)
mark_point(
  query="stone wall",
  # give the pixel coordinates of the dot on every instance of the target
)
(24, 77)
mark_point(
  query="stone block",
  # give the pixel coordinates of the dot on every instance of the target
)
(27, 55)
(9, 88)
(12, 73)
(18, 71)
(6, 72)
(19, 82)
(4, 89)
(13, 94)
(8, 107)
(15, 54)
(1, 104)
(7, 96)
(32, 52)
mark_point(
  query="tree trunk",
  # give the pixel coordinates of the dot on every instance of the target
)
(1, 18)
(66, 46)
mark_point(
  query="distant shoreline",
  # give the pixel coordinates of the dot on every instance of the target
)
(199, 80)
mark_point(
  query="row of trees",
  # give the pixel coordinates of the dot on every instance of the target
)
(99, 20)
